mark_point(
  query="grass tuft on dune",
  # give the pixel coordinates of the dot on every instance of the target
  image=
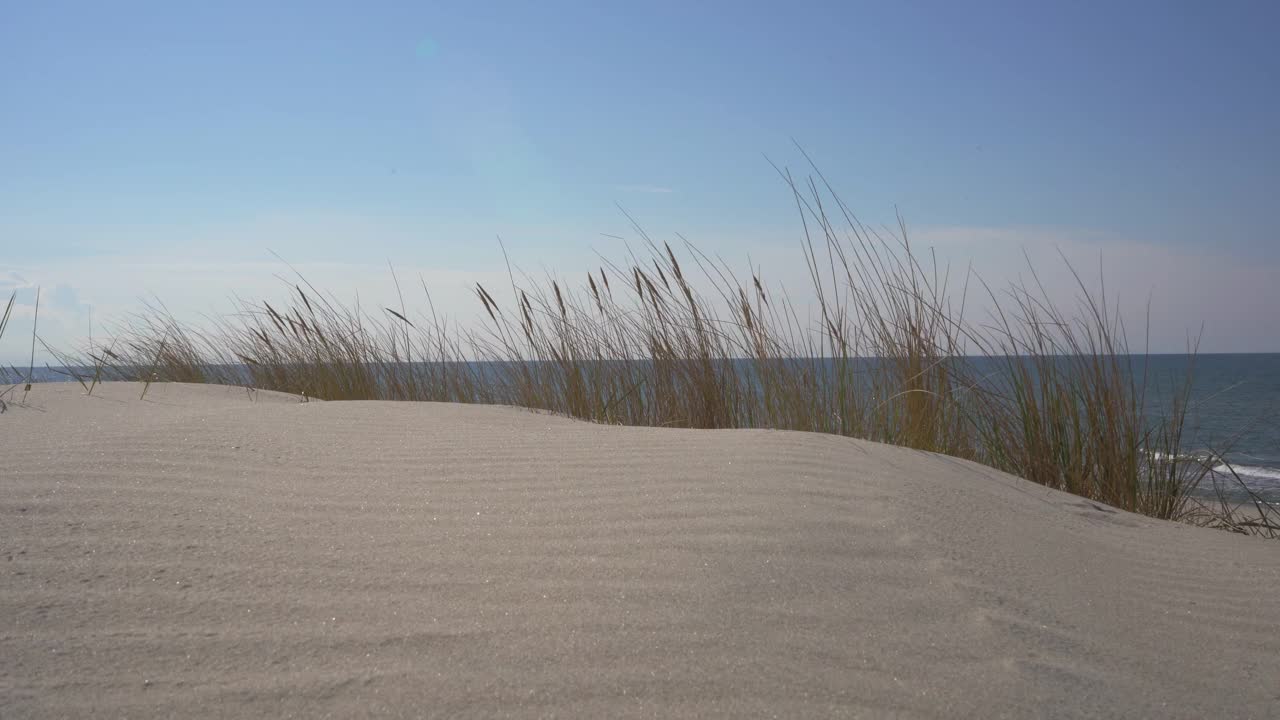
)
(886, 353)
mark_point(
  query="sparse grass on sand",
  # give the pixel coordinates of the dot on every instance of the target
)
(4, 323)
(886, 354)
(23, 380)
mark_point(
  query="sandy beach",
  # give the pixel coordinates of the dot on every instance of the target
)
(213, 552)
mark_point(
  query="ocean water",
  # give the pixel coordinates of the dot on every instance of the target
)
(1234, 409)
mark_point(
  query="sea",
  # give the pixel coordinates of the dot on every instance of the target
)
(1234, 409)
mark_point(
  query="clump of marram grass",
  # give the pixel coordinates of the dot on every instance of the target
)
(4, 323)
(884, 354)
(24, 380)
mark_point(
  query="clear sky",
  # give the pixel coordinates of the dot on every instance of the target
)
(167, 147)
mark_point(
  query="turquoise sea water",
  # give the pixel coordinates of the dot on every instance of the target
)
(1235, 408)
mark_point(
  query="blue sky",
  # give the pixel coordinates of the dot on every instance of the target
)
(166, 147)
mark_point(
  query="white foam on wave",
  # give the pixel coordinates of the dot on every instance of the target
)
(1249, 471)
(1165, 457)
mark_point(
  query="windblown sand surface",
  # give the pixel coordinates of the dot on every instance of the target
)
(199, 554)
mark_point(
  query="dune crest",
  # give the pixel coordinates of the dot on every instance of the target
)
(210, 551)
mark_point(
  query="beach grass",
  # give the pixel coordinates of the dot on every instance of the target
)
(23, 380)
(4, 323)
(673, 338)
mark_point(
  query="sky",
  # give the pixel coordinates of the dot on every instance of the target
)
(172, 151)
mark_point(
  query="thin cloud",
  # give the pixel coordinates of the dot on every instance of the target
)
(1187, 288)
(652, 189)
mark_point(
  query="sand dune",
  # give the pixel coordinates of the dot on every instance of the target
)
(208, 553)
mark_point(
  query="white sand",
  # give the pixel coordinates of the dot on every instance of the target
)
(198, 554)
